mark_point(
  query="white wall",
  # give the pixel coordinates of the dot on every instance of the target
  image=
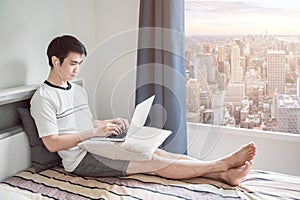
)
(111, 82)
(27, 27)
(106, 27)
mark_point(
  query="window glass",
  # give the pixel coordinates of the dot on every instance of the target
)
(243, 63)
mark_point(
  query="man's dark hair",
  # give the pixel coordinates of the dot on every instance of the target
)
(62, 46)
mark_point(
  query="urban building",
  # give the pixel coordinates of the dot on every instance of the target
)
(275, 72)
(287, 113)
(236, 69)
(235, 93)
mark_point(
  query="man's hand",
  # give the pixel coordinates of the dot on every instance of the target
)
(123, 123)
(110, 126)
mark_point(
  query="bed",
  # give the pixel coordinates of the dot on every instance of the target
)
(19, 180)
(55, 183)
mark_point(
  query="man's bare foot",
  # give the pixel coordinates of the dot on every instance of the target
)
(239, 157)
(234, 175)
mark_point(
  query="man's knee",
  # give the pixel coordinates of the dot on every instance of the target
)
(157, 155)
(160, 152)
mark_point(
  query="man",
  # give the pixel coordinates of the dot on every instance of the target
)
(63, 119)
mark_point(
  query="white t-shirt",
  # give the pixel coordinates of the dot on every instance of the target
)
(58, 110)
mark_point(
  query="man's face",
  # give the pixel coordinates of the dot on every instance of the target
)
(70, 67)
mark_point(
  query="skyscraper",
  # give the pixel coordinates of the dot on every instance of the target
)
(236, 69)
(275, 72)
(298, 85)
(193, 95)
(221, 54)
(287, 113)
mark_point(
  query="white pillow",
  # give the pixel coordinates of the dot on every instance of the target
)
(137, 147)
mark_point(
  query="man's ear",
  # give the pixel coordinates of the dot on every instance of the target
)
(55, 61)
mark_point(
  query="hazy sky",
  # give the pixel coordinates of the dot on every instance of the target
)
(242, 17)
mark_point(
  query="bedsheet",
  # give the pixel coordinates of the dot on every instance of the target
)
(55, 183)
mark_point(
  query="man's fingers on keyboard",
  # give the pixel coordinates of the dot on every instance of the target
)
(114, 132)
(124, 123)
(117, 130)
(113, 127)
(120, 122)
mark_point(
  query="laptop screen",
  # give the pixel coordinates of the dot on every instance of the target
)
(140, 114)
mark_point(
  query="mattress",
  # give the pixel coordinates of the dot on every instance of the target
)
(55, 183)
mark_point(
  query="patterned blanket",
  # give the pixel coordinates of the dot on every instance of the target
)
(55, 183)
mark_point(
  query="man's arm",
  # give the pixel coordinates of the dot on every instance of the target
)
(66, 141)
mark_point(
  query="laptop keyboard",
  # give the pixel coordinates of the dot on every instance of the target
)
(121, 135)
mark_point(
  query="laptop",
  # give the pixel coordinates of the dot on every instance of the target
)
(138, 120)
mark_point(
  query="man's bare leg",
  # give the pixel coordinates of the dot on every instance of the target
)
(235, 159)
(175, 168)
(165, 165)
(166, 154)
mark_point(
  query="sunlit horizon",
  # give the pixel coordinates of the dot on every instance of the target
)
(233, 17)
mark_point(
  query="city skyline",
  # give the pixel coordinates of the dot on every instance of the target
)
(230, 17)
(244, 82)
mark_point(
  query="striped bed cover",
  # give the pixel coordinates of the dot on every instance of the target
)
(55, 183)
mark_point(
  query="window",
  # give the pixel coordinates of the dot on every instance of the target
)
(243, 64)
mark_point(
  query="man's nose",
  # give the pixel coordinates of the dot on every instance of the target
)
(76, 69)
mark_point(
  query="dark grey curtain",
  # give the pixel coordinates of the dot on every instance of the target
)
(161, 68)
